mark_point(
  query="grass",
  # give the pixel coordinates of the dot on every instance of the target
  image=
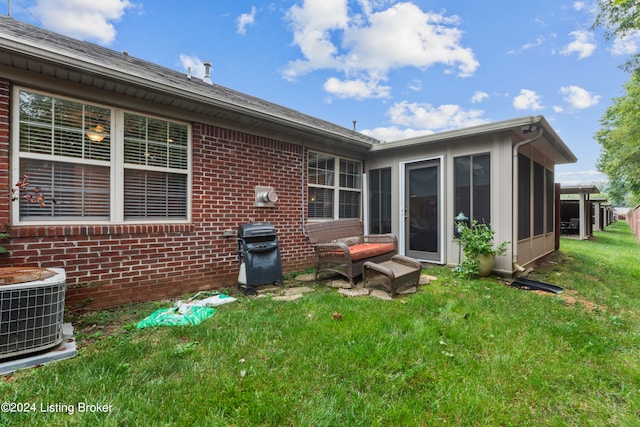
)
(459, 352)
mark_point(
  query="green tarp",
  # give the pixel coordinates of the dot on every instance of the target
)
(173, 317)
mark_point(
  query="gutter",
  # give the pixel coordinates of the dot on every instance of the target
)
(514, 217)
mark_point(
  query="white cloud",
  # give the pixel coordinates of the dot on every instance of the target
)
(312, 25)
(581, 177)
(371, 43)
(579, 98)
(587, 173)
(628, 45)
(359, 89)
(579, 5)
(526, 46)
(425, 116)
(83, 19)
(245, 20)
(404, 35)
(479, 96)
(582, 44)
(538, 42)
(527, 100)
(193, 62)
(415, 85)
(411, 119)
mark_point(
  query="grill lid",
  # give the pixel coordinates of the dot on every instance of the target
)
(256, 229)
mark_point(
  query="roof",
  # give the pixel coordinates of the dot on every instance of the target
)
(549, 142)
(600, 198)
(27, 47)
(579, 189)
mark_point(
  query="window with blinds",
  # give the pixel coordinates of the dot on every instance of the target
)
(63, 128)
(156, 166)
(67, 149)
(327, 197)
(155, 142)
(71, 190)
(149, 194)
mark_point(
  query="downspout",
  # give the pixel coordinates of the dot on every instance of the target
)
(514, 218)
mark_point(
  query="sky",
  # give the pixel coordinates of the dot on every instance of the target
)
(399, 69)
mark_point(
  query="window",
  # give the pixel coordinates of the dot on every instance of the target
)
(88, 169)
(155, 154)
(380, 201)
(473, 187)
(538, 199)
(524, 197)
(329, 198)
(536, 195)
(550, 200)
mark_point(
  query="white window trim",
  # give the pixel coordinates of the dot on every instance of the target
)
(116, 164)
(336, 186)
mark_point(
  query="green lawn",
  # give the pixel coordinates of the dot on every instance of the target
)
(459, 352)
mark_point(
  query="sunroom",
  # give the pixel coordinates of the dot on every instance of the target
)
(501, 174)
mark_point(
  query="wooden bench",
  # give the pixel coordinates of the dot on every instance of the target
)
(399, 275)
(341, 247)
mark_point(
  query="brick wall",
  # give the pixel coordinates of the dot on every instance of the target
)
(117, 264)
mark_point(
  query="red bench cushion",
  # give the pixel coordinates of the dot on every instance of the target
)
(368, 250)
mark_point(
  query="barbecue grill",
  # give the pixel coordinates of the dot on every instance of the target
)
(258, 255)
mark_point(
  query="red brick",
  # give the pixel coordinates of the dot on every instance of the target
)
(138, 262)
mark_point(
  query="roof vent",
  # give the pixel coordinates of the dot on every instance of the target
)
(207, 73)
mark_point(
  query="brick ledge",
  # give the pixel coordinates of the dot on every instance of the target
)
(97, 230)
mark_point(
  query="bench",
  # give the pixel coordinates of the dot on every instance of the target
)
(341, 247)
(399, 275)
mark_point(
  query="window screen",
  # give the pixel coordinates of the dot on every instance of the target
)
(380, 201)
(550, 196)
(524, 197)
(472, 181)
(538, 199)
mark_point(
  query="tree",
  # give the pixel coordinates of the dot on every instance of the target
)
(620, 19)
(619, 137)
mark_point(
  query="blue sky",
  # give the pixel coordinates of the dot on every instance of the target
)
(399, 69)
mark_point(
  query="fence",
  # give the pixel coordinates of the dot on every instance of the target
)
(633, 218)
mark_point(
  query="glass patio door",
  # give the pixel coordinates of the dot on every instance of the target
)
(422, 210)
